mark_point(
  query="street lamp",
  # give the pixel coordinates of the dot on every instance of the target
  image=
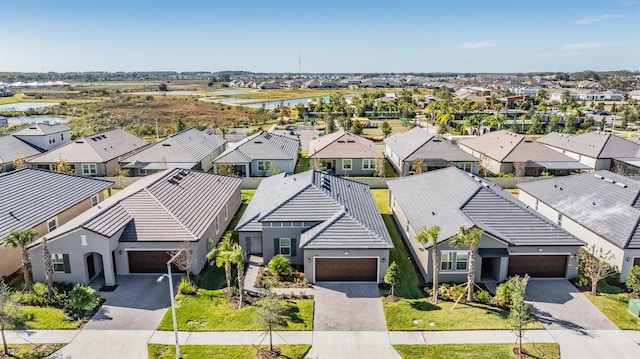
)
(173, 304)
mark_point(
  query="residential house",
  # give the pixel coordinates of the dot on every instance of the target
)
(189, 149)
(45, 136)
(507, 152)
(262, 154)
(4, 122)
(329, 225)
(12, 148)
(135, 230)
(403, 149)
(42, 200)
(93, 155)
(516, 240)
(600, 208)
(594, 149)
(344, 153)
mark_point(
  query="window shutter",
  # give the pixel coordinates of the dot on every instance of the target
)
(294, 247)
(67, 265)
(276, 246)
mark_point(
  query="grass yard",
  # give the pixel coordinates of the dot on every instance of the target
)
(210, 310)
(476, 351)
(160, 351)
(303, 163)
(247, 194)
(421, 314)
(613, 302)
(45, 318)
(32, 351)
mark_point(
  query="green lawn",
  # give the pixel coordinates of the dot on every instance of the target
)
(209, 310)
(421, 314)
(476, 351)
(32, 351)
(44, 318)
(247, 194)
(158, 351)
(303, 163)
(613, 302)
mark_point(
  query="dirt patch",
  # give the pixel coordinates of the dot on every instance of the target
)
(294, 280)
(266, 353)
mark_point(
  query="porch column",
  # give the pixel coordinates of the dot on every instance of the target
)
(109, 274)
(247, 169)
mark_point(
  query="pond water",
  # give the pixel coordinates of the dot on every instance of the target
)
(36, 119)
(22, 106)
(293, 102)
(175, 93)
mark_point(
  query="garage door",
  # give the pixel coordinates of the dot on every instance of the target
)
(149, 261)
(346, 269)
(538, 266)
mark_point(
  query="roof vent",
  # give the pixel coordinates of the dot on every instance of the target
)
(33, 128)
(598, 176)
(621, 185)
(258, 142)
(166, 144)
(80, 141)
(527, 140)
(351, 141)
(610, 180)
(437, 140)
(340, 141)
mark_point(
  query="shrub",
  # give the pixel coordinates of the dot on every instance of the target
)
(613, 279)
(451, 292)
(581, 281)
(37, 296)
(82, 301)
(633, 280)
(481, 296)
(280, 265)
(504, 293)
(187, 287)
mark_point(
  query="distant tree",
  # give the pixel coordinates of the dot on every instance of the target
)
(519, 168)
(594, 264)
(222, 255)
(21, 239)
(380, 169)
(185, 260)
(386, 128)
(431, 236)
(520, 311)
(270, 313)
(9, 313)
(392, 276)
(238, 258)
(330, 126)
(48, 268)
(356, 128)
(417, 166)
(63, 166)
(633, 280)
(181, 125)
(19, 162)
(121, 173)
(163, 87)
(274, 169)
(225, 169)
(469, 237)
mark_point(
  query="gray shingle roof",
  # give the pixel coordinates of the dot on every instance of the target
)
(451, 198)
(11, 146)
(592, 144)
(173, 205)
(31, 196)
(343, 144)
(42, 129)
(261, 146)
(97, 148)
(603, 202)
(188, 146)
(345, 211)
(418, 143)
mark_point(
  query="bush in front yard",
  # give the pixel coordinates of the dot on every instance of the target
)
(280, 265)
(504, 293)
(82, 301)
(187, 287)
(633, 280)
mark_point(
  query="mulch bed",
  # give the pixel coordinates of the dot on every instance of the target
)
(294, 280)
(265, 353)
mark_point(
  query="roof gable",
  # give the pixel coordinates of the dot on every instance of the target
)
(261, 146)
(497, 145)
(592, 144)
(342, 144)
(11, 146)
(188, 146)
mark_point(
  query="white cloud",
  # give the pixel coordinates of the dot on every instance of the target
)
(584, 46)
(597, 18)
(477, 45)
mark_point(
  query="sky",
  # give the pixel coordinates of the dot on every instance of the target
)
(338, 36)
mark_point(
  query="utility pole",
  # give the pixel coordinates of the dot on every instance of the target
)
(157, 133)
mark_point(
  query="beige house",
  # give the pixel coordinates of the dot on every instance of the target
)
(42, 200)
(95, 155)
(344, 153)
(134, 231)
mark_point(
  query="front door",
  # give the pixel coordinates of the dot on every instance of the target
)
(91, 267)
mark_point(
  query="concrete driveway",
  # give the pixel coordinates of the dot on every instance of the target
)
(139, 303)
(559, 305)
(341, 306)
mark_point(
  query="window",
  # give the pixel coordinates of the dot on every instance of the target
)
(368, 164)
(285, 246)
(347, 164)
(454, 261)
(217, 224)
(226, 211)
(264, 165)
(83, 239)
(89, 169)
(62, 137)
(537, 202)
(94, 200)
(52, 139)
(44, 167)
(560, 217)
(58, 262)
(52, 224)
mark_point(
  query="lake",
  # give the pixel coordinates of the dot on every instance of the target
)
(36, 119)
(23, 106)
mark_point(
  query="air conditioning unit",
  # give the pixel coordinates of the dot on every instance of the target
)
(634, 307)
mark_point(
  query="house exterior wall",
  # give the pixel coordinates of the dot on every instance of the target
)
(269, 233)
(490, 164)
(393, 159)
(356, 167)
(584, 234)
(310, 254)
(60, 138)
(284, 166)
(246, 238)
(10, 260)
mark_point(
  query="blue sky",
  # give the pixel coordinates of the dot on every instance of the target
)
(331, 36)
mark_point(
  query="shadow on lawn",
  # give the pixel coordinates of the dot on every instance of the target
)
(424, 305)
(291, 313)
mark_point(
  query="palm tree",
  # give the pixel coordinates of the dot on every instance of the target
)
(222, 255)
(469, 237)
(237, 257)
(431, 236)
(21, 239)
(48, 268)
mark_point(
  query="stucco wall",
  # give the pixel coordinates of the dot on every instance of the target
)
(310, 254)
(268, 247)
(283, 165)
